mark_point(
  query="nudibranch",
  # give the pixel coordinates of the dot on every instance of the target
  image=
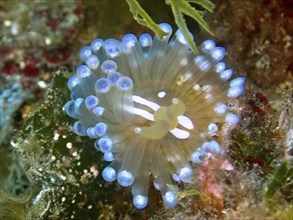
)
(153, 107)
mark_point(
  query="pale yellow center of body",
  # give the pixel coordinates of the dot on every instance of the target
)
(166, 119)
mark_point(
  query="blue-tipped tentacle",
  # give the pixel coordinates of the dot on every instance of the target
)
(109, 174)
(96, 45)
(146, 40)
(85, 52)
(185, 174)
(105, 144)
(232, 118)
(91, 101)
(207, 46)
(125, 178)
(219, 67)
(217, 53)
(226, 74)
(112, 47)
(109, 66)
(140, 201)
(92, 62)
(170, 199)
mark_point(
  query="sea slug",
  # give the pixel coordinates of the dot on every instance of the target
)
(153, 107)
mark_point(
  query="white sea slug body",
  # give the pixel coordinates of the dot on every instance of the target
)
(153, 106)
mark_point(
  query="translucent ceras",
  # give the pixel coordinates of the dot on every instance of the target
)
(153, 106)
